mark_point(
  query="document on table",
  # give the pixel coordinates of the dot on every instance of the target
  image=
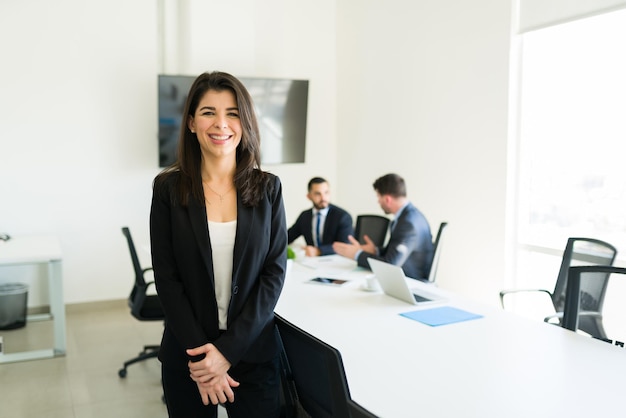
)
(335, 265)
(440, 316)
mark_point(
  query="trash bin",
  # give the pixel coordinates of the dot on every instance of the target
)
(13, 302)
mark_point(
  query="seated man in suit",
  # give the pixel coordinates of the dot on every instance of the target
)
(410, 242)
(323, 224)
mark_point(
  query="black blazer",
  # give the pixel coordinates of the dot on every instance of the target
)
(410, 245)
(337, 227)
(183, 273)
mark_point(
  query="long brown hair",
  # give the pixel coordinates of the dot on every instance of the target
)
(250, 180)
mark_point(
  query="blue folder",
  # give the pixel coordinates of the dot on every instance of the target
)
(440, 316)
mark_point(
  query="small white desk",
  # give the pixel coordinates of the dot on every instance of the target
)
(31, 250)
(500, 365)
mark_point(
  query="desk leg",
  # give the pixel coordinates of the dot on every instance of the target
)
(57, 306)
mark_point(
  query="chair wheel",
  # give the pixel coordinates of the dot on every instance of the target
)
(122, 373)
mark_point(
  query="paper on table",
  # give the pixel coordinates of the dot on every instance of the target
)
(440, 316)
(329, 264)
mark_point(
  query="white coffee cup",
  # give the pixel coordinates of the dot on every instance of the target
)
(371, 283)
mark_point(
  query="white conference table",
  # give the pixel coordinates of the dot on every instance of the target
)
(500, 365)
(33, 250)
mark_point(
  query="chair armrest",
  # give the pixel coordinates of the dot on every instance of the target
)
(510, 291)
(143, 272)
(559, 316)
(591, 314)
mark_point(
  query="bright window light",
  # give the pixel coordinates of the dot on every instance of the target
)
(573, 133)
(572, 145)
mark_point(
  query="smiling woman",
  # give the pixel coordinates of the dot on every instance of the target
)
(217, 126)
(218, 239)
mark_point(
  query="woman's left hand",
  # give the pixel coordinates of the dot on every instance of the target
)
(217, 390)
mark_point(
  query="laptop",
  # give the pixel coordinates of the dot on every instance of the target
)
(393, 282)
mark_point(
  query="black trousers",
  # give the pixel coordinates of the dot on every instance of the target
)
(258, 394)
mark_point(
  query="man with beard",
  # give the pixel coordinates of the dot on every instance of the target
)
(323, 224)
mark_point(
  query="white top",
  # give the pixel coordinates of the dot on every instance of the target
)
(222, 244)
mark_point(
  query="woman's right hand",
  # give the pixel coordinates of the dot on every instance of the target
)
(210, 374)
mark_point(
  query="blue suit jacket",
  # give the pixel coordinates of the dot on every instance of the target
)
(337, 227)
(184, 277)
(410, 245)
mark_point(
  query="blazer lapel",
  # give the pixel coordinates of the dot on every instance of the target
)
(245, 221)
(328, 223)
(308, 227)
(197, 217)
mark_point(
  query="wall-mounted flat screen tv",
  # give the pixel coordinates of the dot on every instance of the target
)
(281, 107)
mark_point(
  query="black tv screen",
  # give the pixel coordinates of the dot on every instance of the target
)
(281, 107)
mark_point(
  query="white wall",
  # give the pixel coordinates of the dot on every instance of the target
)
(414, 87)
(423, 93)
(78, 132)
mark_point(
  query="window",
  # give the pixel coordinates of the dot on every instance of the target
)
(572, 138)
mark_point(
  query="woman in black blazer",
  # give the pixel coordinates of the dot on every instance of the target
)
(218, 239)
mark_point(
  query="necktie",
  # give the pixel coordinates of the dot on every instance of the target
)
(317, 229)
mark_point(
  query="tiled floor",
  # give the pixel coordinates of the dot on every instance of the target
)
(84, 383)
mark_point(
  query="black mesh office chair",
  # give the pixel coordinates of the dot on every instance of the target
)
(578, 251)
(584, 299)
(316, 369)
(432, 275)
(374, 226)
(143, 307)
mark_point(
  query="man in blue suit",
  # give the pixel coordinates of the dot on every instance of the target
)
(323, 224)
(410, 242)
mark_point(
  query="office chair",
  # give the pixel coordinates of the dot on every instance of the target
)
(357, 411)
(578, 251)
(143, 307)
(584, 298)
(374, 226)
(432, 274)
(318, 375)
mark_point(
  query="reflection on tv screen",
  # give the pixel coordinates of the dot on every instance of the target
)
(281, 107)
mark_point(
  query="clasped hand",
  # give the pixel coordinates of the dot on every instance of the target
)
(211, 375)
